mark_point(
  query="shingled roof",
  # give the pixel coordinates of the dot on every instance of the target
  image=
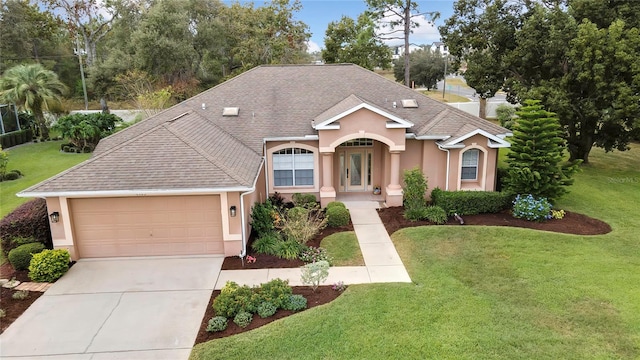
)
(193, 146)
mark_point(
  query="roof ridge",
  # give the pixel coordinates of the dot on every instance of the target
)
(206, 155)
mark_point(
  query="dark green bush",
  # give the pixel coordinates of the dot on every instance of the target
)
(276, 292)
(11, 176)
(20, 257)
(49, 265)
(335, 203)
(243, 319)
(234, 299)
(471, 202)
(266, 309)
(267, 243)
(415, 189)
(435, 214)
(337, 216)
(262, 218)
(296, 303)
(217, 323)
(29, 220)
(414, 214)
(307, 201)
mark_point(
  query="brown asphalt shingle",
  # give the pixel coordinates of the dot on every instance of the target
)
(188, 147)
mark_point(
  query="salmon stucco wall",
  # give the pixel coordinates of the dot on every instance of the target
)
(486, 166)
(61, 232)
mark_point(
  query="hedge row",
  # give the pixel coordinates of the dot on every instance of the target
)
(29, 220)
(471, 202)
(16, 138)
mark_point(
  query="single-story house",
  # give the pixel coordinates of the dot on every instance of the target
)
(184, 181)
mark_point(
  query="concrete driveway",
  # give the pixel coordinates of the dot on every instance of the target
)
(133, 308)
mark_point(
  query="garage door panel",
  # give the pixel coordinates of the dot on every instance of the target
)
(172, 225)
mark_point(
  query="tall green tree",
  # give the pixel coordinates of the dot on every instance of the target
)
(398, 13)
(348, 41)
(535, 161)
(30, 87)
(427, 68)
(589, 76)
(482, 33)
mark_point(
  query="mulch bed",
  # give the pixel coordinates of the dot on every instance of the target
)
(322, 295)
(572, 223)
(13, 308)
(272, 262)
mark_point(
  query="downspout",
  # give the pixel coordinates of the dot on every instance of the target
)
(243, 221)
(446, 186)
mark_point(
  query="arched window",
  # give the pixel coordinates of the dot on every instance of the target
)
(469, 169)
(293, 167)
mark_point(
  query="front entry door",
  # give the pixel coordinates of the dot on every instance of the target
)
(355, 170)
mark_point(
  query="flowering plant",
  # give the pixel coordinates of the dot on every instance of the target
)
(339, 286)
(315, 254)
(557, 214)
(251, 259)
(530, 208)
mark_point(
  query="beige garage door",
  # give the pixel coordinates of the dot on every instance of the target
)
(147, 226)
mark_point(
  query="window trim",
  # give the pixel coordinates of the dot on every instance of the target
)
(476, 166)
(270, 175)
(294, 168)
(480, 183)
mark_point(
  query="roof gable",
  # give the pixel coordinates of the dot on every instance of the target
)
(329, 119)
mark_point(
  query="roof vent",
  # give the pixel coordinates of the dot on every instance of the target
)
(409, 103)
(230, 111)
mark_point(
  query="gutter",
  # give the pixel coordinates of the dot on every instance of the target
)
(243, 220)
(448, 162)
(129, 193)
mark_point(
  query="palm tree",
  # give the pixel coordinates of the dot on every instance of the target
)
(30, 86)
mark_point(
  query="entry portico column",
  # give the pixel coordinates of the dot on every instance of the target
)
(327, 191)
(394, 189)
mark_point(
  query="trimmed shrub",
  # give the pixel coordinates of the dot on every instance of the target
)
(313, 254)
(415, 188)
(20, 257)
(243, 319)
(470, 202)
(335, 203)
(217, 323)
(315, 273)
(49, 265)
(296, 303)
(276, 292)
(337, 216)
(20, 295)
(11, 176)
(29, 220)
(234, 299)
(267, 243)
(263, 218)
(531, 208)
(307, 201)
(266, 309)
(435, 214)
(288, 249)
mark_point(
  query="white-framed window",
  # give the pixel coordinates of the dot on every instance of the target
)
(469, 169)
(293, 167)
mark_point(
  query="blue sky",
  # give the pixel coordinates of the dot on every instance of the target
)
(319, 13)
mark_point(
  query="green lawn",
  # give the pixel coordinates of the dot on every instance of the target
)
(343, 247)
(449, 96)
(38, 162)
(487, 293)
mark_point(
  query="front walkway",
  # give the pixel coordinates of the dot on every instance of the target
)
(382, 262)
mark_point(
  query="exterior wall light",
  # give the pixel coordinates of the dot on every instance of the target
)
(232, 211)
(54, 216)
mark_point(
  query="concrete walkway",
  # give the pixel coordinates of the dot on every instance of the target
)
(382, 262)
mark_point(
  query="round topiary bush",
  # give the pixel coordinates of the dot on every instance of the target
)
(296, 303)
(337, 216)
(49, 265)
(336, 203)
(11, 176)
(20, 257)
(243, 319)
(266, 309)
(217, 323)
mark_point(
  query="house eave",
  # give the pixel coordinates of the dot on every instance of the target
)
(329, 123)
(132, 193)
(291, 138)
